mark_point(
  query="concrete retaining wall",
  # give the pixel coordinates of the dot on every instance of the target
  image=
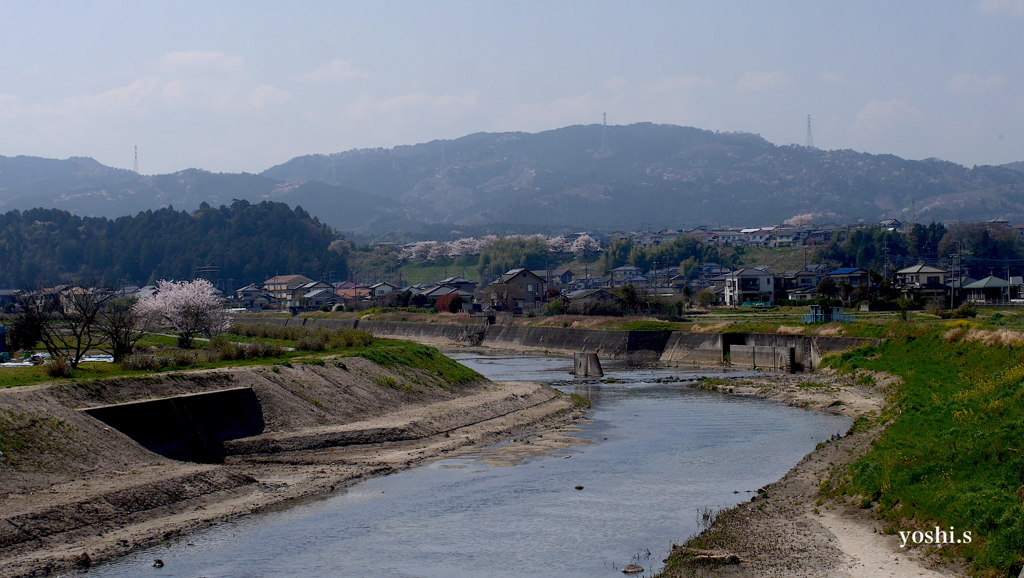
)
(634, 345)
(424, 332)
(804, 351)
(762, 356)
(189, 427)
(695, 348)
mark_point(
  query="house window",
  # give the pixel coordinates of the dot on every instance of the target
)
(934, 280)
(532, 287)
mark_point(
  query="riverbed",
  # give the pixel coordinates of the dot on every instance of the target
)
(652, 454)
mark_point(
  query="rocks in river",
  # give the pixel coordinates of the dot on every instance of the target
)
(632, 569)
(158, 563)
(579, 487)
(707, 557)
(83, 561)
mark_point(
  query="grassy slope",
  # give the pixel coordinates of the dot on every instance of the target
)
(392, 352)
(953, 453)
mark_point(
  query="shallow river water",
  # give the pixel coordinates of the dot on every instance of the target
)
(653, 455)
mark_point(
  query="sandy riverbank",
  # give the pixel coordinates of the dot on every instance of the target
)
(95, 492)
(787, 529)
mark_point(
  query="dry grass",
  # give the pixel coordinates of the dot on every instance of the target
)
(790, 330)
(829, 330)
(446, 318)
(990, 338)
(716, 328)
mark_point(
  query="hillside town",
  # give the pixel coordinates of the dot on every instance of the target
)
(579, 289)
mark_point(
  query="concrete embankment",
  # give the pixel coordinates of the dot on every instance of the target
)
(109, 465)
(787, 353)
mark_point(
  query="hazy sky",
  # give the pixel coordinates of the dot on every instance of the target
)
(242, 86)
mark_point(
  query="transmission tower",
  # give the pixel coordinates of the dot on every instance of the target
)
(136, 159)
(810, 139)
(604, 134)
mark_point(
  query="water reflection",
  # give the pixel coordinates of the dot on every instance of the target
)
(658, 452)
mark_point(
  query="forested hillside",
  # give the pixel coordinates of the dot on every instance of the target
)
(649, 176)
(235, 244)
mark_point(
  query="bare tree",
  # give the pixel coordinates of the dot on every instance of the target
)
(122, 325)
(504, 295)
(66, 321)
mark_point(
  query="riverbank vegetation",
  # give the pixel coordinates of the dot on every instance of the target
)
(952, 453)
(253, 344)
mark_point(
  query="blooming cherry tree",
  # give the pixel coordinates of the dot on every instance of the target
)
(585, 244)
(189, 308)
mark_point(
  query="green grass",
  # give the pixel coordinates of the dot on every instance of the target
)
(413, 274)
(26, 436)
(953, 451)
(578, 401)
(384, 352)
(428, 359)
(650, 326)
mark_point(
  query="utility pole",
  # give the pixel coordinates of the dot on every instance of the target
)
(136, 159)
(810, 139)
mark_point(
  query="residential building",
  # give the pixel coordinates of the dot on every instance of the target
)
(284, 287)
(991, 289)
(749, 285)
(922, 280)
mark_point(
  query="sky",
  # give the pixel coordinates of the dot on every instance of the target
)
(242, 86)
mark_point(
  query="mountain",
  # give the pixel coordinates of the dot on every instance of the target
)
(659, 175)
(87, 188)
(1017, 166)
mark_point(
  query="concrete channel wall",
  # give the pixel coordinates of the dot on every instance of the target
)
(190, 427)
(763, 350)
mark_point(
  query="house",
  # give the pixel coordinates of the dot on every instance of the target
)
(589, 299)
(561, 276)
(622, 275)
(991, 289)
(284, 287)
(922, 280)
(298, 295)
(320, 297)
(248, 294)
(515, 290)
(352, 290)
(853, 276)
(528, 282)
(749, 285)
(798, 285)
(383, 288)
(9, 299)
(460, 283)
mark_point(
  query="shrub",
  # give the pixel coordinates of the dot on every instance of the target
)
(159, 360)
(967, 309)
(58, 367)
(311, 343)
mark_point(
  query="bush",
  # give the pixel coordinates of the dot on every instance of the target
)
(311, 343)
(159, 360)
(58, 367)
(221, 349)
(967, 309)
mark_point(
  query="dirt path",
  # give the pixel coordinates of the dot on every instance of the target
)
(787, 529)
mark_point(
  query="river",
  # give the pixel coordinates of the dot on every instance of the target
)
(652, 454)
